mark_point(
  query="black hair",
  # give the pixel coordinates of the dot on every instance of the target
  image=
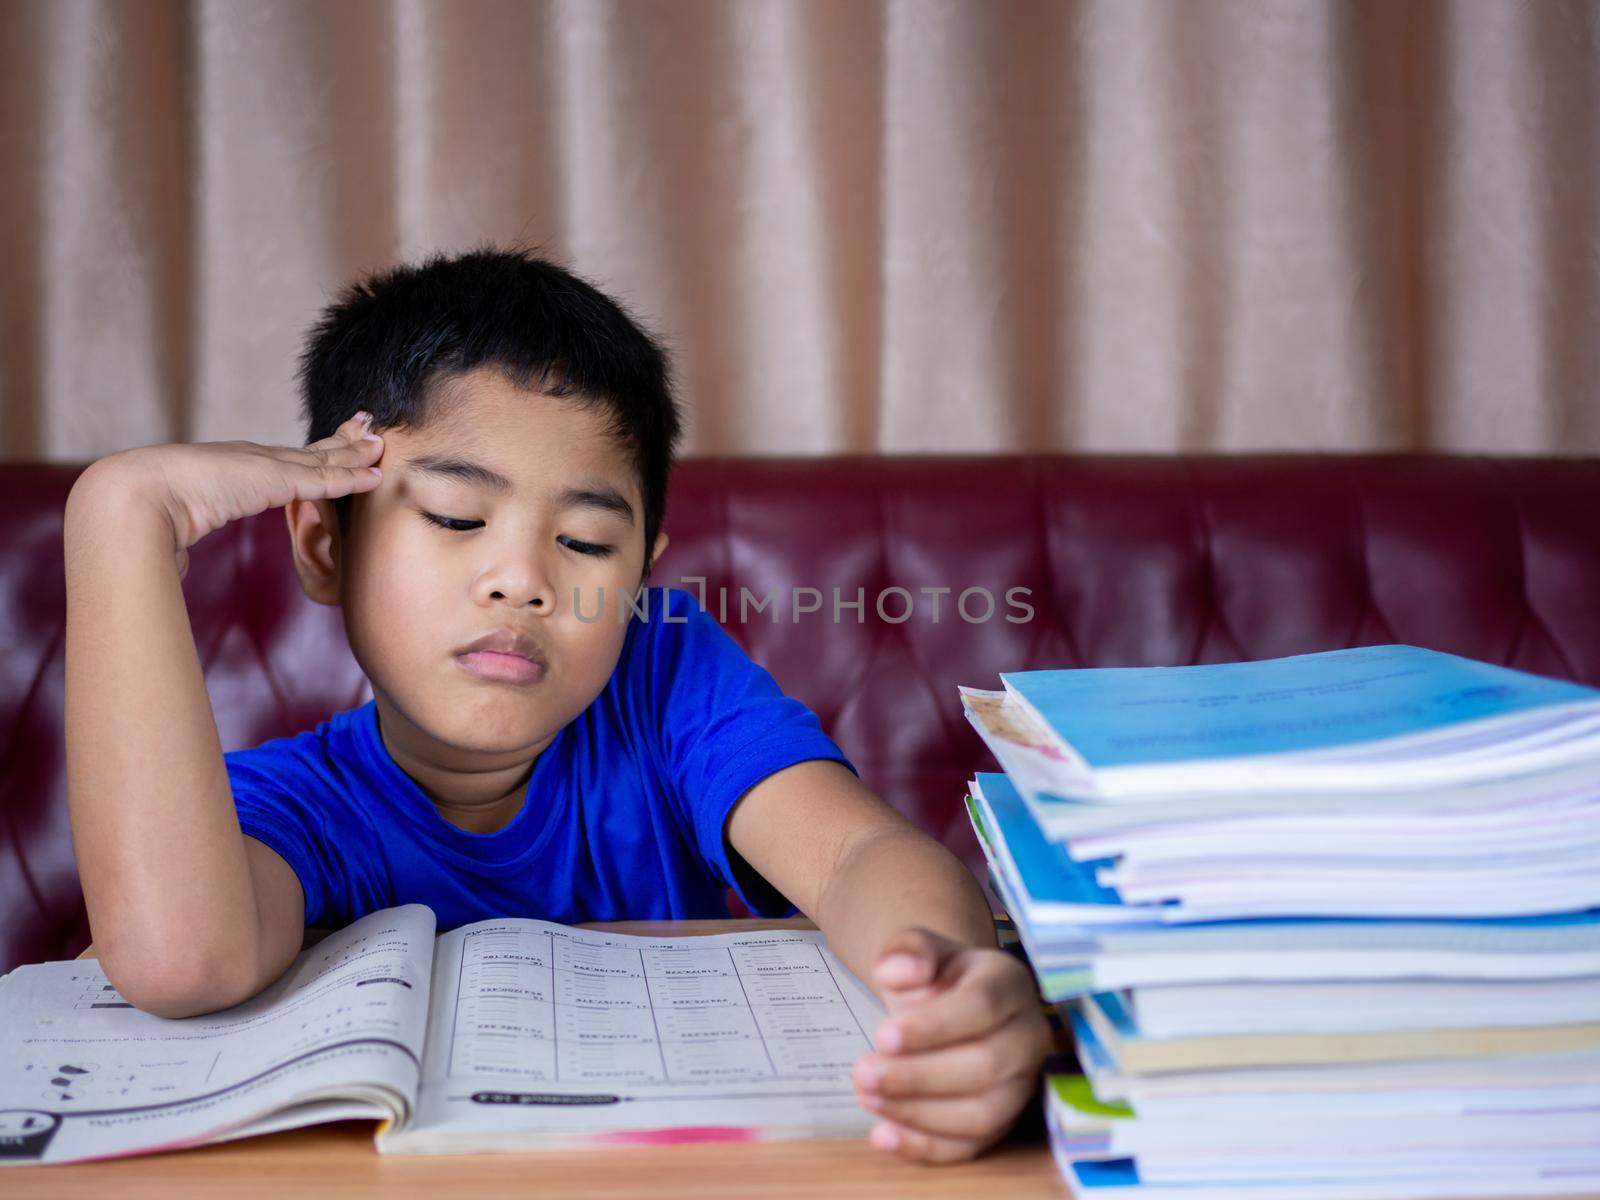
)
(387, 341)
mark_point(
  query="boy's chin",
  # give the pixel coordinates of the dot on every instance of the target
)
(497, 728)
(491, 723)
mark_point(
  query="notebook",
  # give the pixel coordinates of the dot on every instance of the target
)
(505, 1034)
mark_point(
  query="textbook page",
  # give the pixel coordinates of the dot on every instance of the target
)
(542, 1033)
(84, 1074)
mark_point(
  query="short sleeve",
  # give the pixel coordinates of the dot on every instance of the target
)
(279, 806)
(725, 726)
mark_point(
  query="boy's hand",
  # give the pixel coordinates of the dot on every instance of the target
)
(960, 1053)
(201, 487)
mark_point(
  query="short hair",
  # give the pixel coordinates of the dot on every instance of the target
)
(388, 340)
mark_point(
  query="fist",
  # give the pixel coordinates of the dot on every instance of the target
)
(960, 1053)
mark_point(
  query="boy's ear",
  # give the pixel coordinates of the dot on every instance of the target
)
(655, 553)
(314, 540)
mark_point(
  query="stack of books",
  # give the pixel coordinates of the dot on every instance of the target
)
(1323, 926)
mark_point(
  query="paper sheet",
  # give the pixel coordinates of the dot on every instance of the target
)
(543, 1032)
(85, 1074)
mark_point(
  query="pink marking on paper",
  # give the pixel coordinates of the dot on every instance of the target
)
(682, 1136)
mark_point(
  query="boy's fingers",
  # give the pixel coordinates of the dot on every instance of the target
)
(343, 466)
(330, 479)
(914, 1145)
(913, 958)
(960, 1069)
(975, 1118)
(344, 455)
(352, 431)
(362, 480)
(986, 995)
(341, 444)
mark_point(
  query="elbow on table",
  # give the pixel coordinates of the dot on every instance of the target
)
(180, 982)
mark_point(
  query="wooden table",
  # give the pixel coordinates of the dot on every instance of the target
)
(339, 1161)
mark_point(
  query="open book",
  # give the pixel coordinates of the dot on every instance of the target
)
(502, 1035)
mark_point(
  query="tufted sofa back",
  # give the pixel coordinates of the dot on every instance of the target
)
(1086, 561)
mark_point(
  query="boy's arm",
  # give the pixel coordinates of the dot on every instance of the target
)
(853, 864)
(960, 1052)
(188, 915)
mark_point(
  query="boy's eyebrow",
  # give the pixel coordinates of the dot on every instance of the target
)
(463, 470)
(596, 495)
(592, 495)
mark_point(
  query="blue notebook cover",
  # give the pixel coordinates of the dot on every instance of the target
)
(1117, 1015)
(1048, 872)
(1088, 1046)
(1115, 1173)
(1131, 716)
(1051, 876)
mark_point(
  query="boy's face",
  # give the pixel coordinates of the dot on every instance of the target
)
(565, 528)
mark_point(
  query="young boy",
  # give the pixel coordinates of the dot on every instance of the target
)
(482, 495)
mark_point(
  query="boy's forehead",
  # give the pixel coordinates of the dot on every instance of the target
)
(486, 412)
(487, 403)
(506, 440)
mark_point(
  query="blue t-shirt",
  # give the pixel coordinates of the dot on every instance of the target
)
(622, 815)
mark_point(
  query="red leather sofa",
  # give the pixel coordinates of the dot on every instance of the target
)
(1126, 561)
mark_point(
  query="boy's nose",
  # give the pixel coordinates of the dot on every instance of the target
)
(541, 599)
(535, 602)
(520, 582)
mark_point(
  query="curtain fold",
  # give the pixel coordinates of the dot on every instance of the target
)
(860, 225)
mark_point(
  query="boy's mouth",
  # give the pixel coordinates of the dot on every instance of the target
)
(504, 656)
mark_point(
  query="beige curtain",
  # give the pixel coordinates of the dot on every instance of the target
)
(914, 225)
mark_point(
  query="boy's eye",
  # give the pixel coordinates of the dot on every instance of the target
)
(454, 524)
(589, 548)
(460, 525)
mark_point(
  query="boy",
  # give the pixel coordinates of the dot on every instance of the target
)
(482, 493)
